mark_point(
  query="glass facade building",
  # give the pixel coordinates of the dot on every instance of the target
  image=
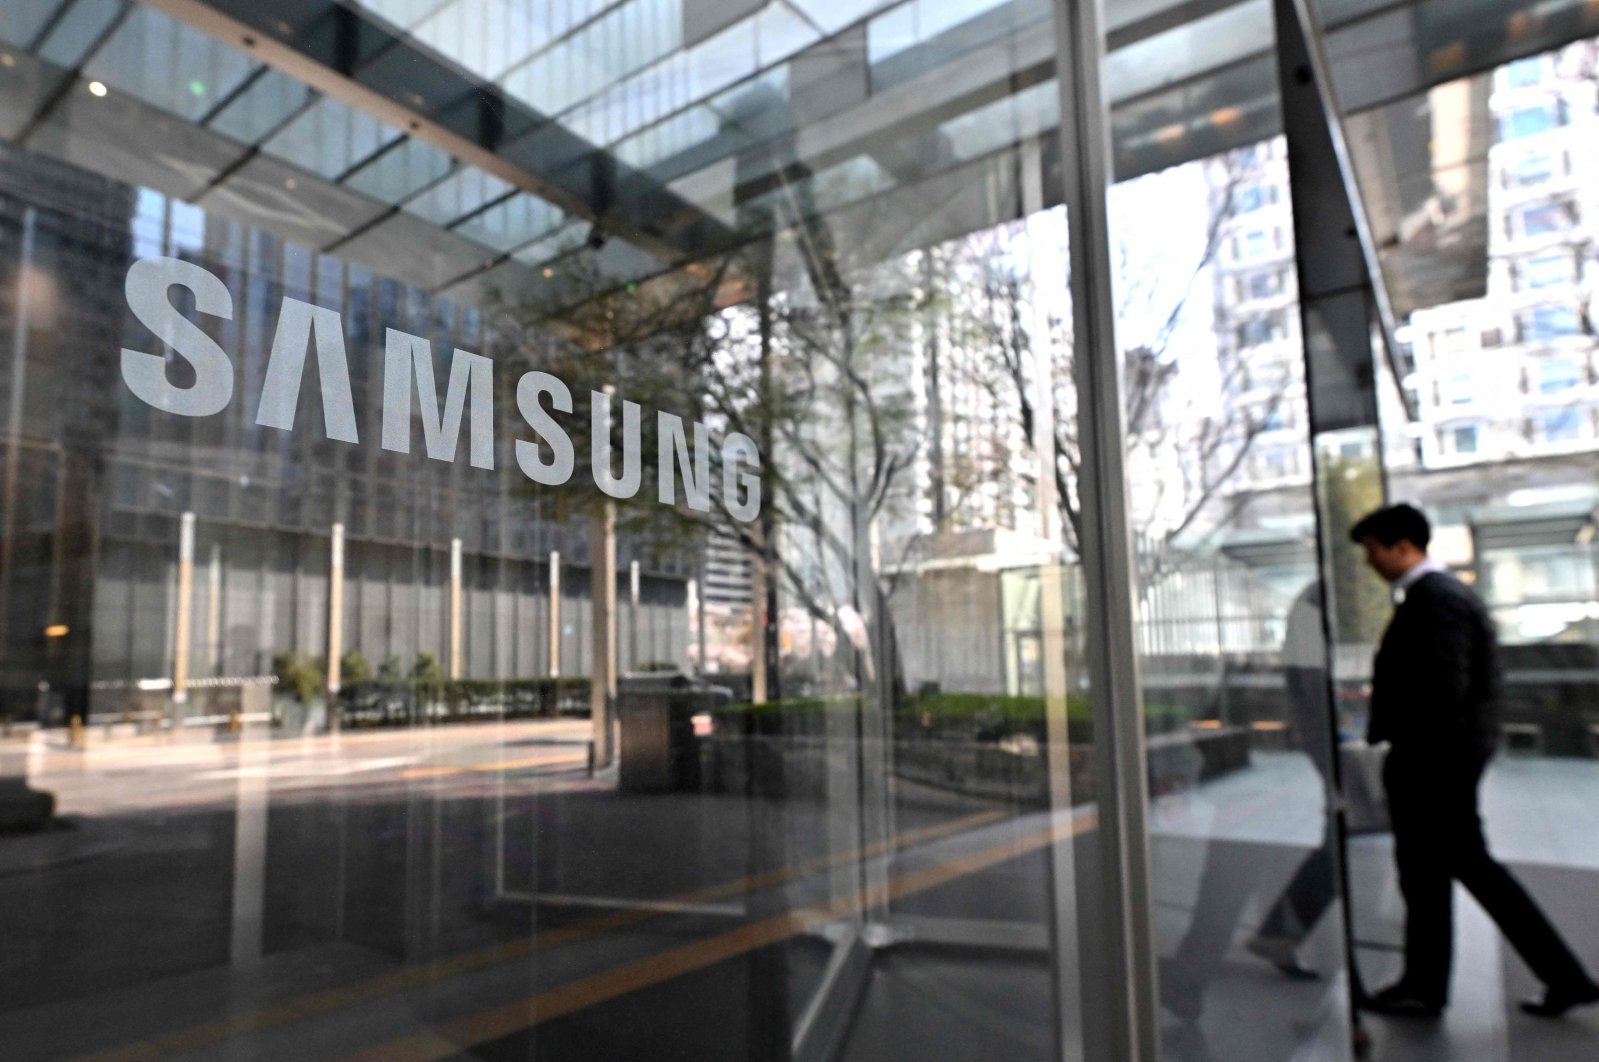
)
(808, 529)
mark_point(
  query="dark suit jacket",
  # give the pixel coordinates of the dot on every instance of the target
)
(1436, 685)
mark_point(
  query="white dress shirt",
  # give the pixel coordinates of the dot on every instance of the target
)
(1413, 575)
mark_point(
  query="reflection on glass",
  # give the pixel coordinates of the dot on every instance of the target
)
(667, 642)
(169, 65)
(329, 138)
(1507, 478)
(266, 103)
(1234, 665)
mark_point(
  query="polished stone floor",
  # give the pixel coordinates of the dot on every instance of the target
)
(385, 863)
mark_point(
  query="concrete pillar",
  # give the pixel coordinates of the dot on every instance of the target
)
(602, 591)
(213, 611)
(185, 619)
(696, 610)
(455, 608)
(555, 613)
(335, 616)
(758, 623)
(14, 414)
(632, 617)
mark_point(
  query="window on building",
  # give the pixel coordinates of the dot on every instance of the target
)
(1262, 329)
(1562, 425)
(1530, 121)
(1558, 374)
(1524, 72)
(1544, 271)
(1548, 322)
(1264, 285)
(1452, 341)
(1465, 439)
(1255, 244)
(1254, 197)
(1543, 219)
(1462, 389)
(1532, 169)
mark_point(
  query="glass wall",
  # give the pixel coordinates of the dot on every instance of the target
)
(1489, 426)
(1232, 651)
(1233, 663)
(541, 533)
(603, 528)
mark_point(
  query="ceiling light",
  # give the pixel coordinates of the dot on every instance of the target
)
(97, 88)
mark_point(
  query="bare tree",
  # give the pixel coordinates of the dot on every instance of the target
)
(1203, 453)
(806, 368)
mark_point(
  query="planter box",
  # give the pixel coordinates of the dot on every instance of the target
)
(795, 766)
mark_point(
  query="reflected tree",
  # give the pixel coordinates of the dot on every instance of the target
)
(794, 342)
(1189, 444)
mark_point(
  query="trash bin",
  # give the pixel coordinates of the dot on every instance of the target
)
(658, 752)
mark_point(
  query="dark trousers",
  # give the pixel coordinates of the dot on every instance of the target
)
(1314, 885)
(1309, 893)
(1432, 799)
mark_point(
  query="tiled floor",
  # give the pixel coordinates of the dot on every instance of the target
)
(1540, 815)
(1540, 819)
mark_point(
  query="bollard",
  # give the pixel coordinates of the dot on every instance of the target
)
(75, 732)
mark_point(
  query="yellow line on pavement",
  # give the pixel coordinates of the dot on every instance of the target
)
(531, 761)
(314, 1004)
(498, 1022)
(429, 772)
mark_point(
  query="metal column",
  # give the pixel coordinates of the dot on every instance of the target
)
(1117, 994)
(1344, 316)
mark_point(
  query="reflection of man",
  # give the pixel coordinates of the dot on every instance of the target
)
(1311, 890)
(1232, 870)
(1435, 699)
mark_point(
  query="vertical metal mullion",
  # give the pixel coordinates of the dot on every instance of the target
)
(1119, 1003)
(1340, 384)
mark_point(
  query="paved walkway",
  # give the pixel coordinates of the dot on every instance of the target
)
(383, 855)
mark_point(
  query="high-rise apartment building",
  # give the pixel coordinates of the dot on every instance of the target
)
(1513, 374)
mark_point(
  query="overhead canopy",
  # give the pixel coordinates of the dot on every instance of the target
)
(470, 142)
(1550, 524)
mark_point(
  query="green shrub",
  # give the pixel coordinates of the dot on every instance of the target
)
(301, 679)
(427, 668)
(986, 715)
(381, 703)
(354, 667)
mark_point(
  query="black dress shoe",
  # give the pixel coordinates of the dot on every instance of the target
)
(1399, 1001)
(1556, 1001)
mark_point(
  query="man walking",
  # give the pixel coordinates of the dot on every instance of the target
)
(1435, 699)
